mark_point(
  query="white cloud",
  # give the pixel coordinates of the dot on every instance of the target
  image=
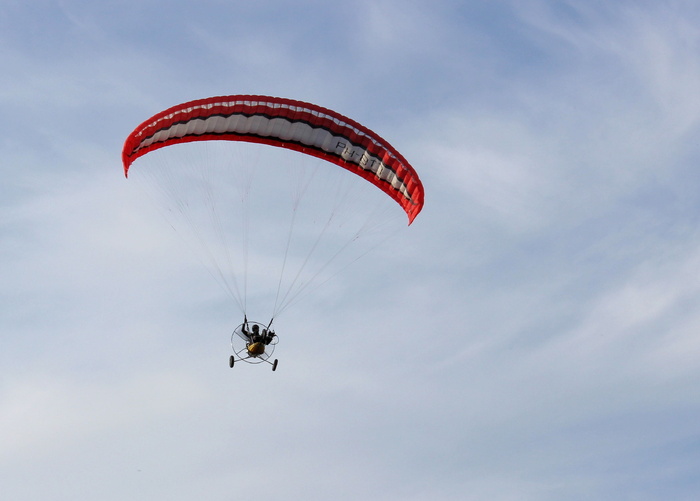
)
(43, 415)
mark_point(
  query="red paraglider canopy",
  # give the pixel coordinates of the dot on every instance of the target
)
(285, 123)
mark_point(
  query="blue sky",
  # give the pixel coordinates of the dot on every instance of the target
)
(533, 335)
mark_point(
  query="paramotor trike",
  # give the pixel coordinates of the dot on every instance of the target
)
(253, 343)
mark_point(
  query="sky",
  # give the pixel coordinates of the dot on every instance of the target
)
(533, 335)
